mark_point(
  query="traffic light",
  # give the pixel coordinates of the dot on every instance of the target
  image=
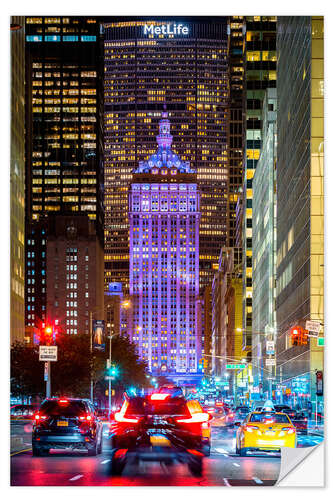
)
(112, 371)
(200, 364)
(299, 336)
(46, 335)
(205, 363)
(319, 383)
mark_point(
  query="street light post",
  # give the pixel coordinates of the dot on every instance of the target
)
(91, 367)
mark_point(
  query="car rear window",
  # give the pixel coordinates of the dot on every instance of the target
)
(269, 418)
(70, 409)
(144, 406)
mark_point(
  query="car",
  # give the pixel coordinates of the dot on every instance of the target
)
(265, 431)
(229, 416)
(299, 419)
(159, 427)
(22, 412)
(219, 417)
(281, 408)
(241, 412)
(66, 423)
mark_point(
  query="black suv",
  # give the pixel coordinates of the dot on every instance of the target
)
(160, 427)
(66, 423)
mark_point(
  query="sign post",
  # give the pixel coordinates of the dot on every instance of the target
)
(48, 353)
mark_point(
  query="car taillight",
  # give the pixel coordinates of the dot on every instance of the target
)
(290, 430)
(195, 418)
(120, 415)
(251, 428)
(39, 418)
(85, 418)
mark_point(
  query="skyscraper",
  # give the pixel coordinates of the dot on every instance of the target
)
(64, 139)
(300, 200)
(260, 74)
(236, 50)
(17, 130)
(146, 66)
(164, 218)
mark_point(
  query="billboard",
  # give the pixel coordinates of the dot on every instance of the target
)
(98, 333)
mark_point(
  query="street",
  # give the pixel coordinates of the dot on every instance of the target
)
(222, 468)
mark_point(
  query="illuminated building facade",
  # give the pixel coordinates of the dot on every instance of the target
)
(260, 74)
(236, 51)
(17, 180)
(300, 202)
(164, 218)
(264, 243)
(64, 140)
(187, 70)
(75, 273)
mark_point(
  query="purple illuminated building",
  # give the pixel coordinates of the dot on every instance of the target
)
(164, 217)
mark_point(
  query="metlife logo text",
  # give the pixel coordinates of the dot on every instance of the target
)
(165, 29)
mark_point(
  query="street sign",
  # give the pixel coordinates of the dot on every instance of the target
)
(109, 378)
(320, 342)
(270, 361)
(312, 326)
(226, 387)
(48, 353)
(236, 367)
(46, 372)
(270, 347)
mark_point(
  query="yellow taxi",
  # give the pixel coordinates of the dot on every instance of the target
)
(265, 431)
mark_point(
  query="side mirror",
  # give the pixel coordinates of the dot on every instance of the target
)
(237, 424)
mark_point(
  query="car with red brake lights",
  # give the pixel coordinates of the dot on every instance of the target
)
(299, 420)
(66, 423)
(160, 427)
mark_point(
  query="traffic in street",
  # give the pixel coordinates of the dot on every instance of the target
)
(221, 464)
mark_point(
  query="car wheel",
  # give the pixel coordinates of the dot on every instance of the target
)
(92, 451)
(117, 466)
(36, 452)
(195, 466)
(243, 452)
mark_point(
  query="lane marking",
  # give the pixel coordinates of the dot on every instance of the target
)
(21, 451)
(75, 478)
(105, 461)
(221, 450)
(236, 465)
(257, 480)
(226, 482)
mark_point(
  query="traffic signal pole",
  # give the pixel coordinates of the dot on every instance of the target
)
(47, 369)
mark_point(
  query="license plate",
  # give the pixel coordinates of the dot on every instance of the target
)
(270, 433)
(62, 423)
(158, 440)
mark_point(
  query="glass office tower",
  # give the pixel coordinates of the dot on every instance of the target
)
(164, 218)
(300, 202)
(63, 141)
(187, 70)
(260, 74)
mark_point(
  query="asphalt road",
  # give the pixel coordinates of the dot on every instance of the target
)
(222, 468)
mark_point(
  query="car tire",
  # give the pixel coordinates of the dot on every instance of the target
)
(92, 451)
(36, 451)
(117, 466)
(195, 466)
(243, 452)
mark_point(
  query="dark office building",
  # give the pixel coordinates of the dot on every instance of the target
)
(63, 141)
(183, 63)
(260, 74)
(236, 50)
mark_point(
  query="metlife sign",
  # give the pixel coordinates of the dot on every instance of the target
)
(166, 29)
